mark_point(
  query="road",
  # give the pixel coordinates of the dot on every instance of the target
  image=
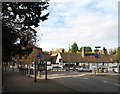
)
(84, 82)
(61, 81)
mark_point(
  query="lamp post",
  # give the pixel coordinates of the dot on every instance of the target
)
(97, 56)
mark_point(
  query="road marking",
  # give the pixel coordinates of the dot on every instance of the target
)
(104, 81)
(85, 78)
(117, 84)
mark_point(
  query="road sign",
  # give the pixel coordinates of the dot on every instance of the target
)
(96, 56)
(39, 56)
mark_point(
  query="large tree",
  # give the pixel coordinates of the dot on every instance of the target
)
(17, 26)
(74, 48)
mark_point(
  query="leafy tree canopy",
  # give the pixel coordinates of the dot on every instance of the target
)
(17, 26)
(74, 48)
(87, 49)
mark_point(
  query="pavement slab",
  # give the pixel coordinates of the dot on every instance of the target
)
(15, 82)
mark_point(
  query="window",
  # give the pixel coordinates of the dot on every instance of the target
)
(60, 60)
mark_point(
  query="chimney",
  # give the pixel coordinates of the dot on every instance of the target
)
(63, 50)
(83, 51)
(104, 51)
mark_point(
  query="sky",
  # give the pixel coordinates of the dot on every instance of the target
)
(85, 22)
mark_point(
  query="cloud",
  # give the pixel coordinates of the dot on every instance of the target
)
(86, 22)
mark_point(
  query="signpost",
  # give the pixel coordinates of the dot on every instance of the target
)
(38, 56)
(97, 56)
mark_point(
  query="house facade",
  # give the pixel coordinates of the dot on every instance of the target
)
(104, 62)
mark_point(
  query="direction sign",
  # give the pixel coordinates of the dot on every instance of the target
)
(96, 56)
(39, 56)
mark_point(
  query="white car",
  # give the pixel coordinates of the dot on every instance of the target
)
(81, 69)
(115, 69)
(49, 68)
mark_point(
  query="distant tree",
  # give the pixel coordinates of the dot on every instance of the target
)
(105, 50)
(70, 50)
(17, 26)
(87, 49)
(57, 51)
(46, 52)
(118, 54)
(74, 48)
(31, 57)
(112, 51)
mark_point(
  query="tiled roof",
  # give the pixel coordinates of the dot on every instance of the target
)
(114, 57)
(102, 58)
(71, 57)
(48, 57)
(76, 57)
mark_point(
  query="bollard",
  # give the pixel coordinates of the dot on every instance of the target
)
(45, 70)
(97, 71)
(39, 75)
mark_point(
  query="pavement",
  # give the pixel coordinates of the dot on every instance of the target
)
(15, 82)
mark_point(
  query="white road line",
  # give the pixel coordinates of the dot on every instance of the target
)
(111, 83)
(104, 81)
(117, 84)
(85, 78)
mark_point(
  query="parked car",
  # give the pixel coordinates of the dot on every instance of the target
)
(115, 69)
(78, 68)
(49, 67)
(56, 68)
(81, 69)
(73, 68)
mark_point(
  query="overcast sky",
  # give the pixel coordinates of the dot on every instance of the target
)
(86, 22)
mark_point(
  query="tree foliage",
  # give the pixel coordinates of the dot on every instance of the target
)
(74, 48)
(118, 54)
(17, 24)
(112, 51)
(31, 56)
(87, 49)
